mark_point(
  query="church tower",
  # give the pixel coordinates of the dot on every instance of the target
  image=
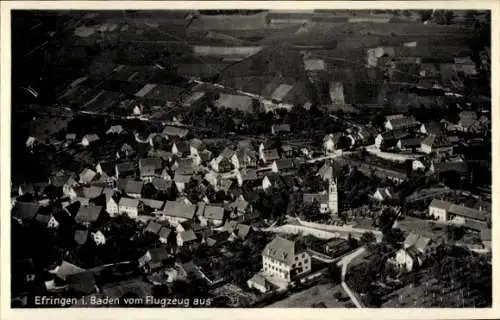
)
(332, 195)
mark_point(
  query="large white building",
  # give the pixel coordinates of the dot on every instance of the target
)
(282, 259)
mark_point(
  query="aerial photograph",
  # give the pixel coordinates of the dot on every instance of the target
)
(250, 159)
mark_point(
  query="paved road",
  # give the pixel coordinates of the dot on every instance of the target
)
(344, 263)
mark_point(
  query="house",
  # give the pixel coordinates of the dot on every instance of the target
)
(280, 128)
(161, 154)
(433, 127)
(64, 270)
(153, 228)
(390, 139)
(116, 129)
(88, 215)
(181, 149)
(186, 238)
(236, 102)
(269, 155)
(247, 157)
(180, 181)
(98, 238)
(185, 166)
(125, 170)
(25, 211)
(87, 176)
(408, 123)
(383, 194)
(164, 234)
(154, 259)
(88, 139)
(466, 121)
(155, 205)
(213, 215)
(408, 144)
(226, 161)
(130, 187)
(417, 165)
(216, 238)
(106, 169)
(327, 200)
(461, 214)
(178, 211)
(282, 165)
(459, 167)
(70, 138)
(284, 259)
(172, 131)
(331, 142)
(415, 250)
(195, 147)
(193, 99)
(260, 283)
(150, 168)
(437, 144)
(111, 202)
(129, 207)
(366, 135)
(242, 231)
(240, 206)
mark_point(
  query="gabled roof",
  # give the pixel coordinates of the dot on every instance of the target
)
(155, 204)
(314, 64)
(115, 129)
(162, 154)
(410, 142)
(175, 131)
(130, 186)
(108, 167)
(158, 255)
(433, 127)
(280, 249)
(128, 202)
(237, 102)
(281, 91)
(284, 164)
(435, 141)
(155, 163)
(125, 167)
(87, 175)
(470, 213)
(179, 209)
(185, 166)
(242, 230)
(188, 235)
(213, 212)
(196, 143)
(271, 154)
(91, 137)
(88, 214)
(410, 240)
(444, 205)
(25, 210)
(66, 269)
(405, 122)
(182, 146)
(240, 204)
(153, 227)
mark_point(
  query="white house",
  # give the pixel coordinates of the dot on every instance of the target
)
(283, 259)
(266, 183)
(417, 165)
(176, 212)
(129, 206)
(88, 139)
(112, 207)
(259, 283)
(330, 142)
(440, 209)
(98, 238)
(382, 194)
(53, 223)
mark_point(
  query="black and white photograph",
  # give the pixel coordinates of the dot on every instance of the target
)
(206, 158)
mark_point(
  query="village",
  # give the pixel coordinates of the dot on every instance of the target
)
(266, 187)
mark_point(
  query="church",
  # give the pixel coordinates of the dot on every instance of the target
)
(328, 199)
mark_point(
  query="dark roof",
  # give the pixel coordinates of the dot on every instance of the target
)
(154, 204)
(66, 269)
(83, 282)
(182, 146)
(88, 214)
(271, 154)
(164, 232)
(108, 167)
(242, 230)
(188, 235)
(433, 127)
(175, 131)
(451, 166)
(155, 163)
(280, 249)
(470, 213)
(185, 166)
(90, 192)
(285, 127)
(405, 122)
(161, 184)
(436, 141)
(125, 167)
(284, 164)
(153, 227)
(410, 142)
(162, 154)
(25, 210)
(129, 186)
(158, 255)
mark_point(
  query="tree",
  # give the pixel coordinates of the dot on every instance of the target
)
(394, 236)
(366, 238)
